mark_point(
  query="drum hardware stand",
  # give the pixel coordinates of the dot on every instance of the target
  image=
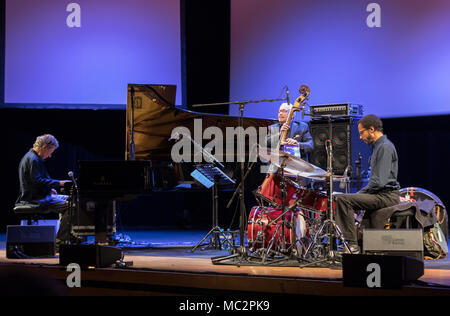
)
(358, 172)
(329, 225)
(282, 224)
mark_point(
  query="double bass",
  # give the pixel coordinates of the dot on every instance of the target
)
(270, 188)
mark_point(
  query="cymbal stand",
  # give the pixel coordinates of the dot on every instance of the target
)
(329, 226)
(281, 224)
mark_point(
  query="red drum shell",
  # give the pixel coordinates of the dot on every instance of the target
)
(261, 217)
(313, 200)
(270, 190)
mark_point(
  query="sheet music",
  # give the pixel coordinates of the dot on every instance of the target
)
(206, 174)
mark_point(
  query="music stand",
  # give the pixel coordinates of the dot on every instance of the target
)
(242, 250)
(211, 176)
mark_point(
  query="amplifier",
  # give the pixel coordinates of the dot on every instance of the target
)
(401, 242)
(30, 241)
(339, 109)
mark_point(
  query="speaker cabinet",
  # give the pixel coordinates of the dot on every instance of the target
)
(380, 271)
(394, 242)
(347, 146)
(30, 241)
(89, 255)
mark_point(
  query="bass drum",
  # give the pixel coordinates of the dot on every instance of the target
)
(262, 229)
(420, 195)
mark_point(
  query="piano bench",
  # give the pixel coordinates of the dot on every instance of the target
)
(29, 212)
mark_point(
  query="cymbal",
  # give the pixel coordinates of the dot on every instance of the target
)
(290, 163)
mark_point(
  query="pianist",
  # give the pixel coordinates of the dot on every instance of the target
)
(37, 187)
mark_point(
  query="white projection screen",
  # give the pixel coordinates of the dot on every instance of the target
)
(392, 57)
(83, 54)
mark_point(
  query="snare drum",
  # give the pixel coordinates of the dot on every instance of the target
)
(262, 226)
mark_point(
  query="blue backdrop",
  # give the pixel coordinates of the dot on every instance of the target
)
(51, 60)
(401, 68)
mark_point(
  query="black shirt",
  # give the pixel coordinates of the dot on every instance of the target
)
(384, 167)
(35, 182)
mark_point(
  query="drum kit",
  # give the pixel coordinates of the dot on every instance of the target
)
(293, 222)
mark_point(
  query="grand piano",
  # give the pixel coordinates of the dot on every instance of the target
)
(151, 118)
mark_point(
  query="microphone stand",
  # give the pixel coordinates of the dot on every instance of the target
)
(77, 193)
(329, 224)
(242, 250)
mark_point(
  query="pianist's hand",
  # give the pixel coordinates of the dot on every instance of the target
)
(61, 183)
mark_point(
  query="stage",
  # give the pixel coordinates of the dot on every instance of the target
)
(167, 266)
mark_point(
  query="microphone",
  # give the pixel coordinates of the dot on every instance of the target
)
(73, 180)
(287, 95)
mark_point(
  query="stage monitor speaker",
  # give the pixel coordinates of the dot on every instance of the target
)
(400, 242)
(380, 271)
(89, 255)
(347, 146)
(30, 241)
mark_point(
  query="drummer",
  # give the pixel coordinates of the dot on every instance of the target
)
(382, 189)
(298, 134)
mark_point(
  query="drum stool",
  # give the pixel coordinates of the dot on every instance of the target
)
(402, 217)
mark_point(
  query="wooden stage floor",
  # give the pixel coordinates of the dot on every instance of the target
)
(178, 271)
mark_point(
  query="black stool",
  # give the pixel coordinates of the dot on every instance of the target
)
(402, 219)
(29, 211)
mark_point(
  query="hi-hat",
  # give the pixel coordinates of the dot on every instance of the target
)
(290, 163)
